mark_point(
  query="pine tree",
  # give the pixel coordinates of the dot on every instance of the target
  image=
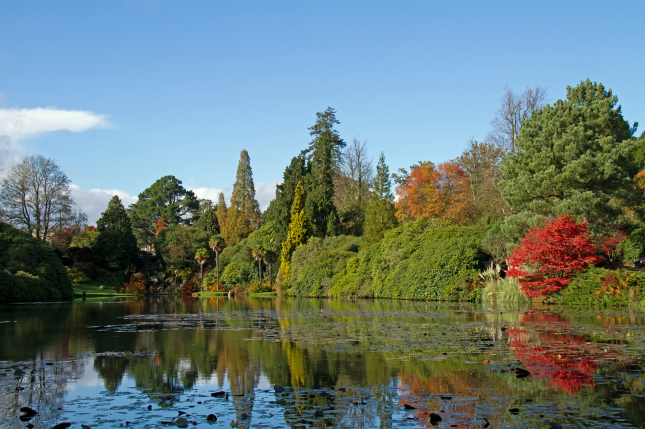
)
(380, 215)
(319, 204)
(572, 157)
(208, 222)
(116, 245)
(326, 121)
(221, 212)
(297, 235)
(244, 214)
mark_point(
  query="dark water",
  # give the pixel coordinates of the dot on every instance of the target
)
(145, 362)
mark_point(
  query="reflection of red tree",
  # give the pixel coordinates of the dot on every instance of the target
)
(567, 361)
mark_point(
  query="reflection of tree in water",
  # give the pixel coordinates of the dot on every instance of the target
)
(111, 370)
(568, 361)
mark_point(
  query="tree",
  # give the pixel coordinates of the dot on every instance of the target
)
(514, 109)
(208, 221)
(319, 205)
(166, 199)
(573, 157)
(116, 244)
(298, 229)
(279, 210)
(436, 192)
(352, 187)
(218, 244)
(222, 213)
(326, 121)
(201, 256)
(244, 213)
(380, 216)
(270, 257)
(35, 196)
(258, 255)
(548, 257)
(481, 162)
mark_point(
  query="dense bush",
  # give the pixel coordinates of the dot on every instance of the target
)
(315, 263)
(258, 287)
(633, 246)
(601, 287)
(138, 284)
(87, 238)
(30, 269)
(417, 260)
(235, 273)
(78, 277)
(188, 288)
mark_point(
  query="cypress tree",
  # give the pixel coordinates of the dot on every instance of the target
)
(297, 235)
(319, 205)
(116, 245)
(380, 215)
(244, 213)
(221, 211)
(572, 157)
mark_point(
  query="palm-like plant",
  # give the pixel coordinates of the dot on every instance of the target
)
(258, 254)
(218, 244)
(270, 258)
(202, 256)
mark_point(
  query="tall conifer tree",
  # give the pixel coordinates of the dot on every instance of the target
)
(116, 245)
(244, 213)
(319, 206)
(298, 231)
(380, 215)
(221, 211)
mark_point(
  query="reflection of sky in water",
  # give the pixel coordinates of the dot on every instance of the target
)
(456, 361)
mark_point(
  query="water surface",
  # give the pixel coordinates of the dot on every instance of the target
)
(147, 362)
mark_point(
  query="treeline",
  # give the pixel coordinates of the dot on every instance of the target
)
(335, 228)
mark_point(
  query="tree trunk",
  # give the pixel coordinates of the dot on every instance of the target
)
(201, 276)
(260, 269)
(271, 274)
(217, 269)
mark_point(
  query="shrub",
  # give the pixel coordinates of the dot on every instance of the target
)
(633, 246)
(235, 273)
(137, 284)
(30, 269)
(188, 288)
(258, 287)
(78, 277)
(602, 287)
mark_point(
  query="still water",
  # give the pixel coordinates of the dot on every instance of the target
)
(271, 363)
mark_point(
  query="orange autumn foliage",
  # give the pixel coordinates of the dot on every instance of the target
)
(436, 192)
(161, 225)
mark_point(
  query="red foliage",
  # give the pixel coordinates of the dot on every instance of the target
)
(136, 284)
(548, 257)
(609, 246)
(188, 288)
(65, 235)
(161, 225)
(436, 192)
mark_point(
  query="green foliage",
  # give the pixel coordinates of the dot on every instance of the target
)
(315, 263)
(177, 246)
(258, 287)
(78, 277)
(29, 269)
(116, 245)
(166, 199)
(235, 273)
(319, 204)
(633, 246)
(505, 290)
(325, 122)
(85, 239)
(244, 213)
(208, 222)
(573, 157)
(380, 216)
(298, 231)
(599, 287)
(417, 260)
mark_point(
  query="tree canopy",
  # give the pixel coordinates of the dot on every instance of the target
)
(244, 214)
(116, 245)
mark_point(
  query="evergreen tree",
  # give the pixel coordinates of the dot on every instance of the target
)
(208, 222)
(221, 212)
(244, 213)
(572, 157)
(326, 121)
(380, 215)
(319, 205)
(116, 245)
(279, 208)
(166, 199)
(298, 228)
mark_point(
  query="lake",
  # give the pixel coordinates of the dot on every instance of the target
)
(266, 363)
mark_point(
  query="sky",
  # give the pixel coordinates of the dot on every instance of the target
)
(123, 92)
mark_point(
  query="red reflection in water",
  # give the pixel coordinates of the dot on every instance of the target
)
(568, 361)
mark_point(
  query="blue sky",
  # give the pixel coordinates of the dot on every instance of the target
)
(151, 88)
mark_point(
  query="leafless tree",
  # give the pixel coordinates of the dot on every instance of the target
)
(356, 173)
(514, 108)
(35, 196)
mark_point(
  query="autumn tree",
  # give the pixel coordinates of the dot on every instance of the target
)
(380, 214)
(298, 231)
(244, 214)
(116, 245)
(514, 109)
(436, 192)
(572, 157)
(166, 199)
(548, 257)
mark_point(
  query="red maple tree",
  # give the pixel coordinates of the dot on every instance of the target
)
(548, 257)
(436, 192)
(161, 225)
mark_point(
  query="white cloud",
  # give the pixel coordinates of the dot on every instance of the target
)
(22, 123)
(211, 194)
(93, 202)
